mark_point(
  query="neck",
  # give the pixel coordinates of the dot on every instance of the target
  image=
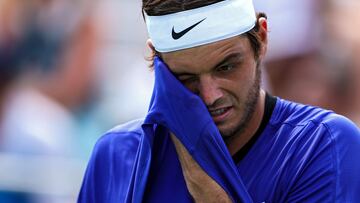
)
(240, 140)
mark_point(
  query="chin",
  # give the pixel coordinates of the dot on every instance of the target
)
(235, 128)
(227, 131)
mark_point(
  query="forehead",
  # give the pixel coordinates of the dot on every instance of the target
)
(207, 55)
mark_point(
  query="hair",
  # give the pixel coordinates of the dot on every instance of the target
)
(164, 7)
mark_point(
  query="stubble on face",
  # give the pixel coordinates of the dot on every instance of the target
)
(248, 111)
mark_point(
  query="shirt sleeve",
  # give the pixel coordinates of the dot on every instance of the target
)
(346, 136)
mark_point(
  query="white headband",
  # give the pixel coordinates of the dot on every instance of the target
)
(201, 26)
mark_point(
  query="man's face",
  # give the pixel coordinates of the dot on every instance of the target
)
(225, 75)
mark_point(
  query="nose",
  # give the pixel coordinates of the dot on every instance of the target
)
(209, 90)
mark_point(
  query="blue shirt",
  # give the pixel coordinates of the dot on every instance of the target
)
(305, 154)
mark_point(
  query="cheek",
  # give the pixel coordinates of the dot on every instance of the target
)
(239, 85)
(242, 79)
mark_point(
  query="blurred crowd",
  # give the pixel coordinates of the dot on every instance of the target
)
(312, 53)
(71, 69)
(47, 79)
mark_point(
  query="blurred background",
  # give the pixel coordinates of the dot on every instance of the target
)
(72, 69)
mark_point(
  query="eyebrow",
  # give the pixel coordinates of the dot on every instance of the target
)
(232, 56)
(182, 74)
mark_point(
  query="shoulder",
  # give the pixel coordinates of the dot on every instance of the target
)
(124, 136)
(296, 114)
(109, 170)
(306, 123)
(338, 125)
(133, 126)
(300, 115)
(323, 147)
(117, 147)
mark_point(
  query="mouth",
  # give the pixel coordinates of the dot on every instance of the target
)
(220, 114)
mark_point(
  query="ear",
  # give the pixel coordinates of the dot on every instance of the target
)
(150, 45)
(263, 33)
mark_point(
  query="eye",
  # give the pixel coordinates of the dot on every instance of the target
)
(187, 79)
(225, 67)
(190, 82)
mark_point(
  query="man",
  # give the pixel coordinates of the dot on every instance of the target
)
(212, 134)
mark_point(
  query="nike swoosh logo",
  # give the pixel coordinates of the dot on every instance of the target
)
(178, 35)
